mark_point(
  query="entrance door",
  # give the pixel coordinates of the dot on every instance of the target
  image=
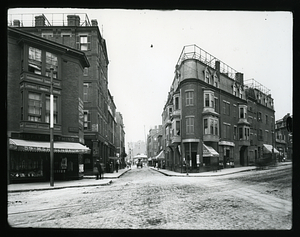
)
(194, 160)
(242, 155)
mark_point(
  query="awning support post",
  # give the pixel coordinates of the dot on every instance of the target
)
(51, 131)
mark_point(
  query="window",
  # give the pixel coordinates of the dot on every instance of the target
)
(216, 127)
(177, 127)
(267, 119)
(206, 100)
(207, 76)
(190, 125)
(260, 135)
(176, 103)
(35, 61)
(235, 132)
(216, 105)
(226, 130)
(241, 133)
(55, 110)
(84, 42)
(51, 61)
(86, 120)
(189, 98)
(205, 126)
(86, 87)
(226, 108)
(86, 71)
(34, 107)
(259, 116)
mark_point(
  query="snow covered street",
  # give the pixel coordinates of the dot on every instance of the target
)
(146, 199)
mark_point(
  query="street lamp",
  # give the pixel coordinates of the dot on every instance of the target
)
(51, 129)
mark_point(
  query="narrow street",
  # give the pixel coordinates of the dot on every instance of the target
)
(146, 199)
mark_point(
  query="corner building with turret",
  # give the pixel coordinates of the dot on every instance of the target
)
(205, 121)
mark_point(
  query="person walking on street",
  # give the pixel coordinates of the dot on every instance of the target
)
(117, 166)
(99, 168)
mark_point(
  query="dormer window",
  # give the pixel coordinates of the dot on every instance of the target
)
(207, 76)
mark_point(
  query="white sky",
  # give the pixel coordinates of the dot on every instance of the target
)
(258, 44)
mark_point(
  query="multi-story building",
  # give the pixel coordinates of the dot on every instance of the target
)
(120, 139)
(284, 139)
(205, 120)
(154, 144)
(78, 32)
(260, 112)
(30, 61)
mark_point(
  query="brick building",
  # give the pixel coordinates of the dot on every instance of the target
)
(205, 119)
(154, 145)
(284, 139)
(78, 32)
(30, 58)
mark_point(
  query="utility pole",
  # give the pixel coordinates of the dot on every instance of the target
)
(51, 130)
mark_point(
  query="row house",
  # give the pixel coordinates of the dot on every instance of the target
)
(154, 144)
(284, 138)
(78, 32)
(120, 139)
(205, 119)
(30, 61)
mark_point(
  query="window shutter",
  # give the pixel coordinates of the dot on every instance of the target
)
(89, 42)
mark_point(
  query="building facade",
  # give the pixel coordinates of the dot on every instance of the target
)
(78, 32)
(284, 139)
(154, 145)
(30, 58)
(120, 139)
(205, 121)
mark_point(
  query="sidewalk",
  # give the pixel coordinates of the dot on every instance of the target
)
(221, 172)
(86, 181)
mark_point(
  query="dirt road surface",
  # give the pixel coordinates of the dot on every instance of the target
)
(146, 199)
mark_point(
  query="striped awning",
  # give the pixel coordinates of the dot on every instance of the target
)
(268, 149)
(41, 146)
(209, 151)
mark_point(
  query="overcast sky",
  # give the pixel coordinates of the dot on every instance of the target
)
(258, 44)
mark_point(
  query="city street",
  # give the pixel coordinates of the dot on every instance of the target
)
(146, 199)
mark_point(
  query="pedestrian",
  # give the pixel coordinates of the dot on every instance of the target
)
(117, 166)
(99, 170)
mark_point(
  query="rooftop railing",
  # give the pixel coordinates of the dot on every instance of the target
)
(194, 52)
(50, 19)
(251, 83)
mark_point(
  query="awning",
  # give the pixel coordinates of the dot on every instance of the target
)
(209, 151)
(161, 155)
(226, 143)
(268, 149)
(39, 146)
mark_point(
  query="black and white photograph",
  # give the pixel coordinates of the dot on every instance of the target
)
(149, 119)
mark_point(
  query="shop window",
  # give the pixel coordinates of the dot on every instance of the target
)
(34, 107)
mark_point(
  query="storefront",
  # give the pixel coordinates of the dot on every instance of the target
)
(29, 161)
(210, 158)
(226, 149)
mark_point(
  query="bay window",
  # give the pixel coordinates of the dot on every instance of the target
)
(34, 107)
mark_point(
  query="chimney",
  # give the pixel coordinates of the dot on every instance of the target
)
(217, 66)
(94, 22)
(40, 20)
(239, 77)
(16, 23)
(73, 20)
